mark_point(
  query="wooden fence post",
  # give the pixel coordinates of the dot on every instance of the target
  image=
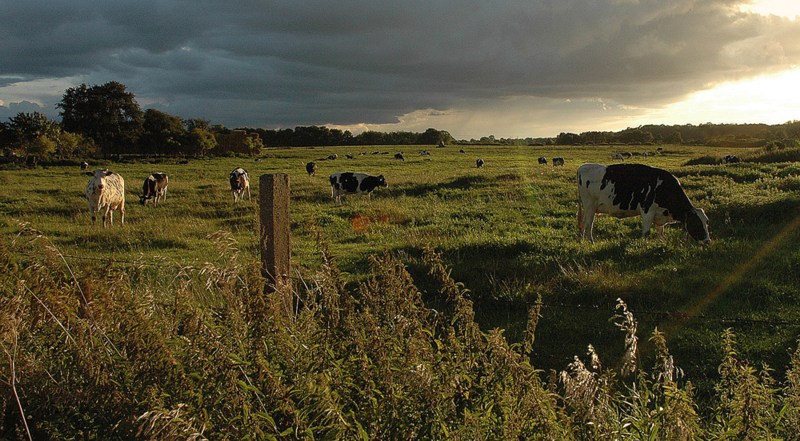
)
(275, 223)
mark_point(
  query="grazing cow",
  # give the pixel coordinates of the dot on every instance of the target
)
(626, 190)
(350, 156)
(84, 165)
(354, 183)
(558, 162)
(479, 163)
(617, 156)
(311, 168)
(333, 156)
(399, 156)
(730, 159)
(240, 182)
(424, 153)
(155, 188)
(106, 191)
(542, 160)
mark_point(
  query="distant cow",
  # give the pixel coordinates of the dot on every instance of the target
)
(542, 160)
(84, 165)
(558, 162)
(479, 162)
(155, 188)
(617, 156)
(730, 159)
(332, 157)
(626, 190)
(399, 156)
(240, 182)
(106, 191)
(461, 151)
(354, 183)
(311, 168)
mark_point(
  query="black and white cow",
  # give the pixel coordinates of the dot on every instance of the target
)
(399, 156)
(542, 160)
(354, 183)
(240, 183)
(558, 162)
(479, 163)
(626, 190)
(311, 168)
(730, 159)
(155, 188)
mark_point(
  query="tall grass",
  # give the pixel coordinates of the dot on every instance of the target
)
(114, 353)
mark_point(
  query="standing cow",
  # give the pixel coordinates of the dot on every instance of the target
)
(354, 183)
(542, 160)
(479, 163)
(626, 190)
(558, 162)
(311, 168)
(106, 191)
(240, 183)
(155, 188)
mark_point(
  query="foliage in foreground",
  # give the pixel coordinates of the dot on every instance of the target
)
(110, 353)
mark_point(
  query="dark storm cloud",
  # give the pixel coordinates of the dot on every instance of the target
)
(278, 63)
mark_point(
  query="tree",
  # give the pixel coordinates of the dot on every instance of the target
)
(33, 135)
(201, 141)
(568, 139)
(162, 133)
(108, 114)
(27, 127)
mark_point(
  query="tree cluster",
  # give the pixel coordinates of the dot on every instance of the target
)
(324, 136)
(714, 135)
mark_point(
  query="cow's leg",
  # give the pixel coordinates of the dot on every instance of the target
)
(579, 220)
(647, 222)
(660, 230)
(248, 192)
(122, 213)
(108, 216)
(588, 221)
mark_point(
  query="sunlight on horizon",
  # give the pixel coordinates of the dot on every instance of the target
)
(768, 99)
(783, 8)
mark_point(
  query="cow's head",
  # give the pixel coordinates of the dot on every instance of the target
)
(382, 182)
(98, 177)
(697, 226)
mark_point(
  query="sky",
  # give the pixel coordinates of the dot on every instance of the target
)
(512, 68)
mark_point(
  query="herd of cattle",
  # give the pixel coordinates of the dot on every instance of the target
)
(620, 190)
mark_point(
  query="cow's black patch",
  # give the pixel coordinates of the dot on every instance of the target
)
(587, 184)
(635, 186)
(348, 182)
(371, 183)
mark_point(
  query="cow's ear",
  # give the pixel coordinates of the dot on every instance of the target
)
(109, 173)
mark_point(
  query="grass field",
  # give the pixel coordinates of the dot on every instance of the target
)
(507, 230)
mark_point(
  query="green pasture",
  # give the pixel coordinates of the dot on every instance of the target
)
(507, 230)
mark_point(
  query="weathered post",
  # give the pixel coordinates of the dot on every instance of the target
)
(275, 245)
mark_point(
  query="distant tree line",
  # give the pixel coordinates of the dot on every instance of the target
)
(106, 119)
(714, 135)
(324, 136)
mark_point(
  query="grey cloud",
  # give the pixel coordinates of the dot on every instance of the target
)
(275, 63)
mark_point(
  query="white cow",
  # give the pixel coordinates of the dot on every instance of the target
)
(106, 191)
(240, 182)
